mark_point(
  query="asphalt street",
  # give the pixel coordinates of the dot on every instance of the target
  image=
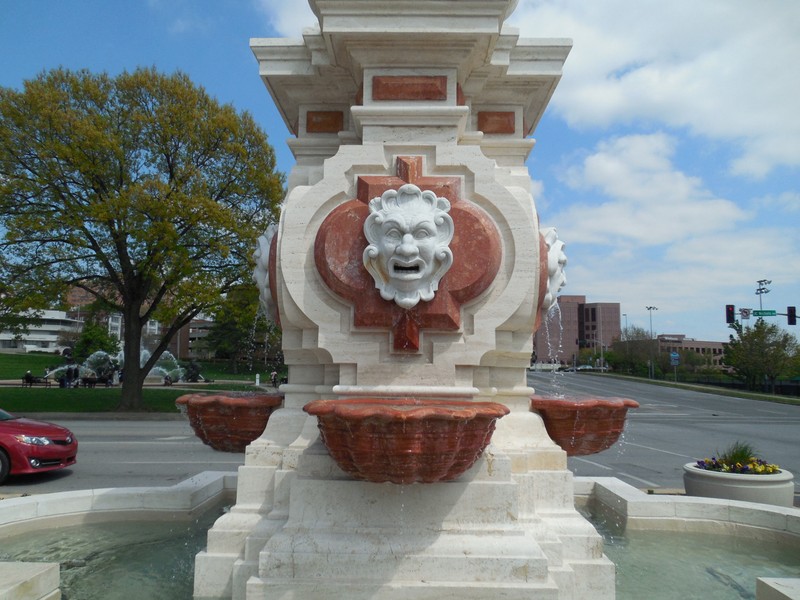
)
(671, 427)
(126, 452)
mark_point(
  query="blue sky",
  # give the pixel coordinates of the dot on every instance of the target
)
(668, 159)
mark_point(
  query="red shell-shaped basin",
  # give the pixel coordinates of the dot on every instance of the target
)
(586, 426)
(405, 440)
(228, 422)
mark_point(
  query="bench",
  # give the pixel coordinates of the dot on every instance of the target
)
(90, 382)
(32, 381)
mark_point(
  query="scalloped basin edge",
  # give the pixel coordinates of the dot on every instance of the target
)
(583, 426)
(405, 440)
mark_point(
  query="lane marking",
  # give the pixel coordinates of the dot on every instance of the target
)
(591, 462)
(639, 479)
(136, 442)
(656, 449)
(181, 462)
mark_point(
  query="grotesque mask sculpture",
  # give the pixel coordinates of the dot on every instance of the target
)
(261, 272)
(556, 261)
(409, 232)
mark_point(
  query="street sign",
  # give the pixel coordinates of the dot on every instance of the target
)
(745, 313)
(674, 359)
(765, 313)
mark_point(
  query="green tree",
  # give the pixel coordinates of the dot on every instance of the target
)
(94, 338)
(631, 353)
(17, 312)
(141, 189)
(240, 335)
(760, 353)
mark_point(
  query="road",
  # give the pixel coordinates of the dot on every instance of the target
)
(675, 426)
(127, 453)
(671, 427)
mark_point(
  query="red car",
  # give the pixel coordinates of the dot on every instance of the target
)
(28, 446)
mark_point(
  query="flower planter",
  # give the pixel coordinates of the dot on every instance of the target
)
(583, 427)
(405, 440)
(774, 488)
(228, 422)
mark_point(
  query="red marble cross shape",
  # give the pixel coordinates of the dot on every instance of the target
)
(340, 244)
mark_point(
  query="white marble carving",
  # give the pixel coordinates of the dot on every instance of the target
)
(261, 271)
(556, 261)
(409, 232)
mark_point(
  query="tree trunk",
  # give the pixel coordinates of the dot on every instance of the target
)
(133, 376)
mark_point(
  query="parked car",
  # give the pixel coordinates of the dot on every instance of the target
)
(28, 446)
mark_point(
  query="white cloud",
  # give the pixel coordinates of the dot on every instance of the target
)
(628, 190)
(787, 202)
(718, 68)
(287, 17)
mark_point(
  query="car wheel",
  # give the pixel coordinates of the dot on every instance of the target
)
(5, 466)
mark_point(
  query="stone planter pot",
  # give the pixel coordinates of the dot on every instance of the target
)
(774, 488)
(585, 426)
(228, 422)
(405, 440)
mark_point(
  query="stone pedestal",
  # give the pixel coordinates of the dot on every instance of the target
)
(424, 104)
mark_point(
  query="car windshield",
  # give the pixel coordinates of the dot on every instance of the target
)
(4, 416)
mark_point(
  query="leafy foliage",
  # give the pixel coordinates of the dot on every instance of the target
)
(93, 338)
(140, 189)
(760, 353)
(240, 335)
(632, 353)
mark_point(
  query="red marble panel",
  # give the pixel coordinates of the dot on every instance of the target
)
(409, 87)
(324, 121)
(496, 121)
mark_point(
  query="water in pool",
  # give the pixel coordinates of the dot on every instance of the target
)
(155, 561)
(118, 561)
(660, 565)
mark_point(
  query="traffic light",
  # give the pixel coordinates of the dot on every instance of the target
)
(730, 313)
(791, 315)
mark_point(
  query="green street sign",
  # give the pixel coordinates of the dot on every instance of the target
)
(765, 313)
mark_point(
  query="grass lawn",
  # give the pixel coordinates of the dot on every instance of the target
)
(19, 400)
(14, 365)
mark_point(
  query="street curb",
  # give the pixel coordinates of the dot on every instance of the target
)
(102, 416)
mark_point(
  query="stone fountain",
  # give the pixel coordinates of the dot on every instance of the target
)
(408, 267)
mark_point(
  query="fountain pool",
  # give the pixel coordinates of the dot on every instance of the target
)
(107, 561)
(667, 564)
(664, 546)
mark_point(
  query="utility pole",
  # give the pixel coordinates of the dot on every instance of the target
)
(652, 369)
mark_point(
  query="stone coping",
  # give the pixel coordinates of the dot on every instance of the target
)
(183, 500)
(29, 581)
(638, 510)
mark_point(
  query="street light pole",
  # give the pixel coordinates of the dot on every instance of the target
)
(602, 353)
(761, 290)
(652, 370)
(626, 335)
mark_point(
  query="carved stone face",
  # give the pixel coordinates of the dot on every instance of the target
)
(261, 271)
(556, 262)
(408, 232)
